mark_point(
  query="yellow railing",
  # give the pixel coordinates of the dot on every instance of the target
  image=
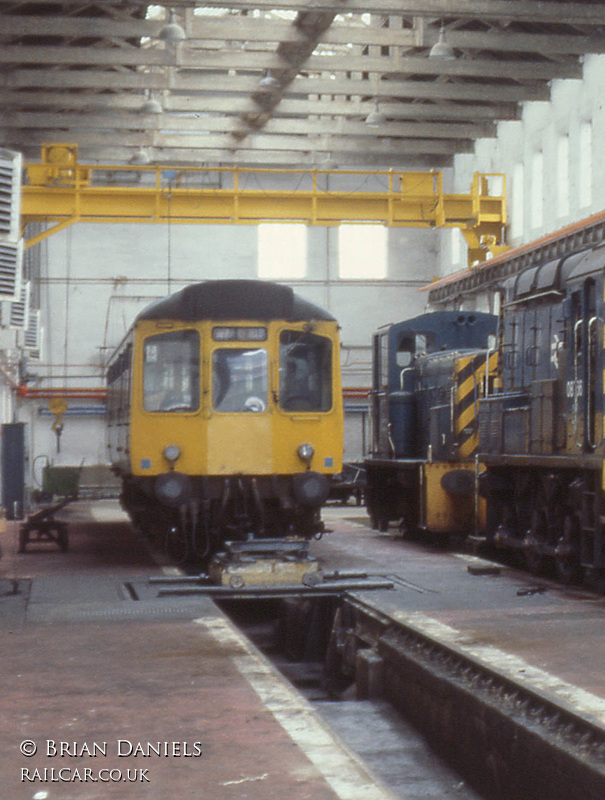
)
(61, 191)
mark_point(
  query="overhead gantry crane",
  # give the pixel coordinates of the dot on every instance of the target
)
(59, 191)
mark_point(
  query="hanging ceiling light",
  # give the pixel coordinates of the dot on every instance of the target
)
(172, 31)
(327, 162)
(269, 81)
(375, 118)
(151, 105)
(441, 49)
(141, 157)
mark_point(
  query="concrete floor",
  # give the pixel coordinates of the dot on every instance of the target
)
(84, 664)
(92, 685)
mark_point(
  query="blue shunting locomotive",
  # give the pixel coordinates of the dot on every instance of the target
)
(428, 375)
(501, 438)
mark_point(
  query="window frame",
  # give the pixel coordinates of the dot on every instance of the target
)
(195, 374)
(241, 347)
(329, 360)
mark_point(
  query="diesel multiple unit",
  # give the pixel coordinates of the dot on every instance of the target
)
(225, 415)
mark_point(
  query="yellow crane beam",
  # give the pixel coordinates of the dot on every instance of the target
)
(60, 191)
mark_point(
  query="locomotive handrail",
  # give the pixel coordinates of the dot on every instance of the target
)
(590, 406)
(390, 438)
(453, 393)
(576, 327)
(486, 376)
(401, 376)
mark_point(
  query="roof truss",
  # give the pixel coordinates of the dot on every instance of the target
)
(280, 82)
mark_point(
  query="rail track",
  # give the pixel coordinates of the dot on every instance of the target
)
(513, 731)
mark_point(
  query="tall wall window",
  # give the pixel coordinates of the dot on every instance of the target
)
(457, 245)
(517, 201)
(537, 189)
(563, 176)
(362, 252)
(282, 250)
(585, 170)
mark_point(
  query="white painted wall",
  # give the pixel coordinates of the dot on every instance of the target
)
(96, 278)
(553, 159)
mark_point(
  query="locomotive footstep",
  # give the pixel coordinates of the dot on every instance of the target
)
(531, 590)
(483, 569)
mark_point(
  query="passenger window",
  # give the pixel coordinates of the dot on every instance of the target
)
(171, 372)
(239, 380)
(305, 372)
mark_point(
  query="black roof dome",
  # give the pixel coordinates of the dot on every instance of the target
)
(234, 299)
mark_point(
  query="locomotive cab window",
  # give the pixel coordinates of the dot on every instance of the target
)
(239, 379)
(305, 372)
(171, 372)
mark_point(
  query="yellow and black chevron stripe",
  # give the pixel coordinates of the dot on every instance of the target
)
(469, 377)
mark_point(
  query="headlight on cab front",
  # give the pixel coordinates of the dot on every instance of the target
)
(306, 453)
(172, 453)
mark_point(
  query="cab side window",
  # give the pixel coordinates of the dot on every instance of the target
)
(171, 372)
(305, 372)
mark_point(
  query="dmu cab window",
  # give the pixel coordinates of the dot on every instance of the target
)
(305, 372)
(240, 379)
(171, 372)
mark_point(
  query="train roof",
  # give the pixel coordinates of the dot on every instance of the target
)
(550, 277)
(447, 330)
(232, 300)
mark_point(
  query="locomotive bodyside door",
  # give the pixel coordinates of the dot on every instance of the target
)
(381, 446)
(584, 434)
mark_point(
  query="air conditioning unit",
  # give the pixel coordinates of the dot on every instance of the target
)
(19, 309)
(10, 194)
(32, 338)
(11, 269)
